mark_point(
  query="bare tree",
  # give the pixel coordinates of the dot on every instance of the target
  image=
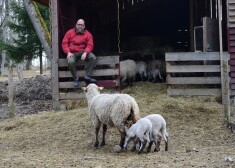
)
(39, 25)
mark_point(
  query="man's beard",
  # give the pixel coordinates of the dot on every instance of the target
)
(79, 31)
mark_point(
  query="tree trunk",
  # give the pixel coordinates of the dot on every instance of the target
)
(40, 57)
(39, 25)
(48, 61)
(20, 71)
(28, 64)
(10, 91)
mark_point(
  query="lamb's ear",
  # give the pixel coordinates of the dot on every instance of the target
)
(101, 88)
(84, 88)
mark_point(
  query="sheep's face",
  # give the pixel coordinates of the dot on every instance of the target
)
(92, 86)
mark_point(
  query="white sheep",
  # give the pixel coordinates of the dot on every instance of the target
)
(139, 132)
(154, 74)
(127, 71)
(157, 64)
(110, 109)
(158, 131)
(141, 70)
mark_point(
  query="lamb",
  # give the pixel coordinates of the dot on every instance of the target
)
(127, 71)
(116, 110)
(141, 132)
(158, 131)
(141, 68)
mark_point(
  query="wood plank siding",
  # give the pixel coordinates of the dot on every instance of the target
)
(231, 41)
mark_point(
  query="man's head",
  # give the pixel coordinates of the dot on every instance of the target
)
(80, 26)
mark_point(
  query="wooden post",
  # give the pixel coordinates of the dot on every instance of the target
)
(191, 25)
(168, 76)
(224, 70)
(10, 91)
(55, 55)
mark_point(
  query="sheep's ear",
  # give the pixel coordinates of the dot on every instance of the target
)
(84, 88)
(101, 88)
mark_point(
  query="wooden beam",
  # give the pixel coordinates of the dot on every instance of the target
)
(194, 56)
(55, 55)
(194, 80)
(192, 68)
(96, 72)
(101, 60)
(103, 83)
(194, 92)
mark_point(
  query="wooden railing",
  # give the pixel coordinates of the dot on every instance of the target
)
(193, 73)
(107, 76)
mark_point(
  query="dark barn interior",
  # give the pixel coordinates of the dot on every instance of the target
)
(140, 29)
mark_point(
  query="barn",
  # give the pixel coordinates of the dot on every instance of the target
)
(148, 30)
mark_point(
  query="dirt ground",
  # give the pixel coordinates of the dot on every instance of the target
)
(198, 136)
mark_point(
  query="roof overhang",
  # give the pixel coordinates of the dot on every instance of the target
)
(43, 2)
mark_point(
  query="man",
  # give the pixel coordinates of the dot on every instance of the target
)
(78, 44)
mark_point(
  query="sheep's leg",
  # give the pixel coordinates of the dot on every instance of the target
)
(135, 143)
(143, 144)
(157, 149)
(104, 132)
(158, 139)
(123, 81)
(150, 146)
(97, 128)
(166, 144)
(128, 140)
(123, 135)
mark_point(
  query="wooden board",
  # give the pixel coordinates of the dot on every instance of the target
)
(72, 95)
(101, 60)
(194, 56)
(192, 68)
(194, 80)
(98, 72)
(103, 83)
(194, 92)
(210, 34)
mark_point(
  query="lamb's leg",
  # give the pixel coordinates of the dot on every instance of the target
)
(104, 132)
(143, 144)
(135, 143)
(128, 140)
(157, 142)
(150, 146)
(166, 144)
(123, 135)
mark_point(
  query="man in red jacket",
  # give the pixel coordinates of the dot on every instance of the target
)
(78, 44)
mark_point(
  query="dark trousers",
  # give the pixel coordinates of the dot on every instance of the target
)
(90, 62)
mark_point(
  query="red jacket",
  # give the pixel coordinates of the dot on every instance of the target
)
(73, 42)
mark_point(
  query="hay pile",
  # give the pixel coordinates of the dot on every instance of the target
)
(28, 89)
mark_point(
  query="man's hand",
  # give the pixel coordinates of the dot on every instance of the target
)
(84, 56)
(70, 55)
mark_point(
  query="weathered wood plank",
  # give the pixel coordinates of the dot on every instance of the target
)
(194, 92)
(103, 83)
(98, 72)
(101, 60)
(194, 56)
(192, 68)
(55, 56)
(72, 95)
(194, 80)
